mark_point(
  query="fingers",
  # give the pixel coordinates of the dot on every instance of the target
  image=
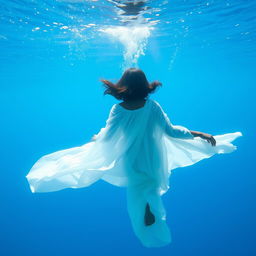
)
(211, 140)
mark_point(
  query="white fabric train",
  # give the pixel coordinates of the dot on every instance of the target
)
(136, 149)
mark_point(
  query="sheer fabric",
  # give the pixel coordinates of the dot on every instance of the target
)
(137, 149)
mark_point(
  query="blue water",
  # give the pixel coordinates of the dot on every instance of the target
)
(53, 54)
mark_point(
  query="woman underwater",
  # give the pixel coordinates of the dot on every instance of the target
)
(137, 149)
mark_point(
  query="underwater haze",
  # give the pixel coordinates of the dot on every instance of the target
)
(53, 54)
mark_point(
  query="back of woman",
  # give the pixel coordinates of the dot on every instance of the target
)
(137, 149)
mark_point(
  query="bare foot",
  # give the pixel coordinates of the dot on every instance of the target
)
(149, 218)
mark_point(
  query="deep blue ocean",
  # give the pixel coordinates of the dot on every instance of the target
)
(53, 54)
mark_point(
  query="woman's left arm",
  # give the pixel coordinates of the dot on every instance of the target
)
(204, 136)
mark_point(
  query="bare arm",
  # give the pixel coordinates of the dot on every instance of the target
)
(205, 136)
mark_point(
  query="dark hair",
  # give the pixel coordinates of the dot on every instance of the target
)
(132, 85)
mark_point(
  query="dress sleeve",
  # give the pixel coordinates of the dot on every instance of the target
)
(111, 123)
(176, 131)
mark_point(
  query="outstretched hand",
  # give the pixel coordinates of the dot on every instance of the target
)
(209, 138)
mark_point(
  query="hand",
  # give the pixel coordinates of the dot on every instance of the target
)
(209, 138)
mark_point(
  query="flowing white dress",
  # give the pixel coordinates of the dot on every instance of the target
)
(137, 149)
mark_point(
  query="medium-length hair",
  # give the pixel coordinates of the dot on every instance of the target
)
(133, 85)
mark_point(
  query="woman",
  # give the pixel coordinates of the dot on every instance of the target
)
(137, 149)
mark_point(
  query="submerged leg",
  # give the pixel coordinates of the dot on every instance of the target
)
(155, 235)
(149, 218)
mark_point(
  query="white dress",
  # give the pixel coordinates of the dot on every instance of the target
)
(136, 149)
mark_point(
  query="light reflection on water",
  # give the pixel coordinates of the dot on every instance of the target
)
(78, 25)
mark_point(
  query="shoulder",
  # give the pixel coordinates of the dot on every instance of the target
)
(113, 114)
(155, 104)
(158, 110)
(115, 109)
